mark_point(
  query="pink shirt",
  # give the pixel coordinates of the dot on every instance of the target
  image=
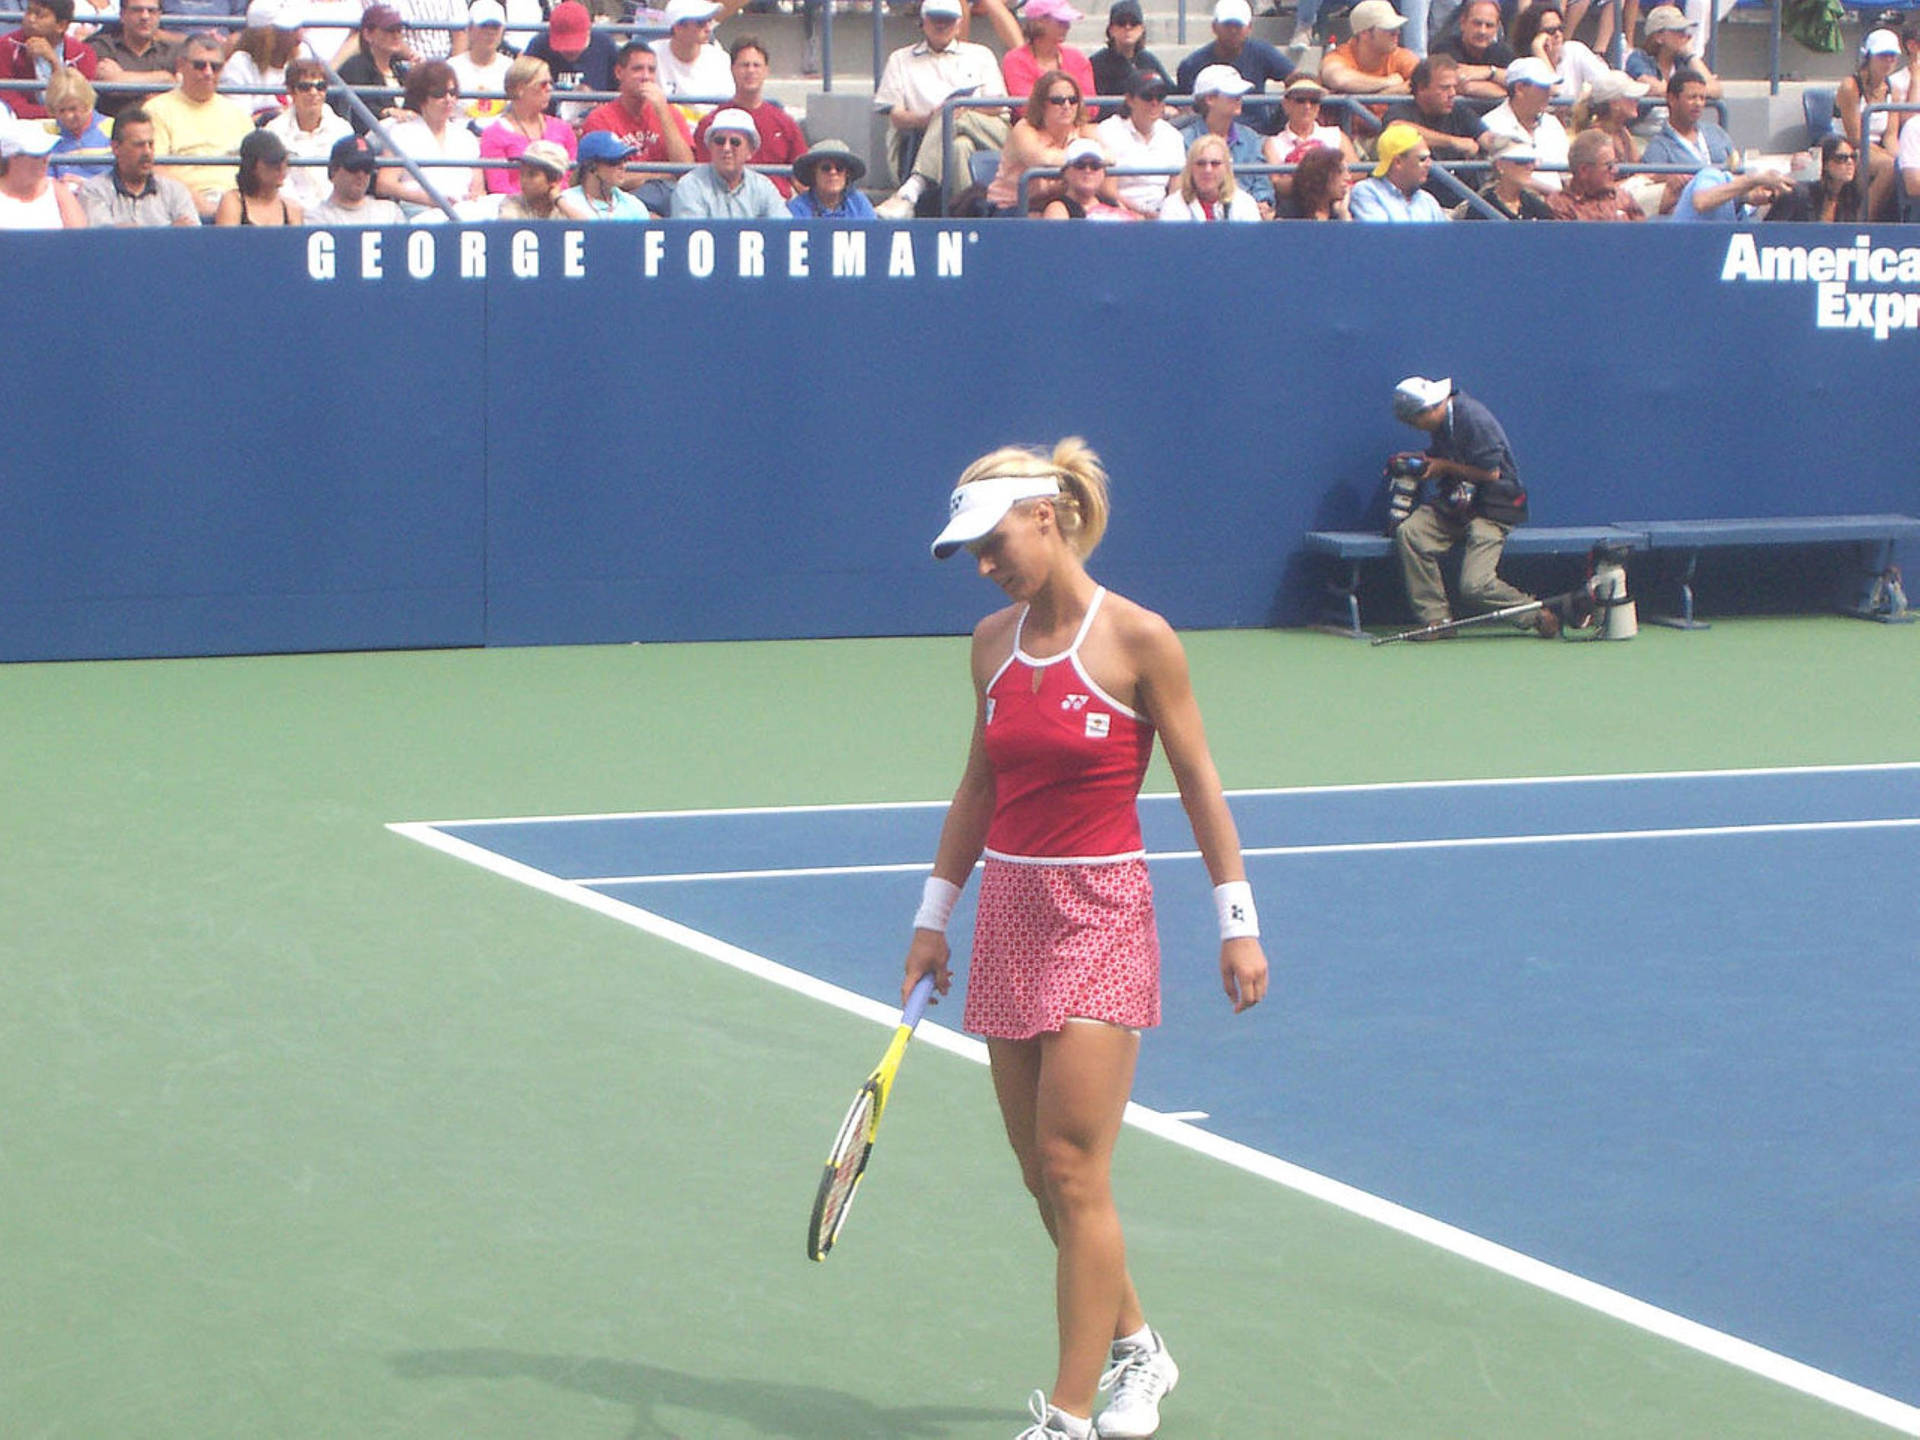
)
(1019, 69)
(501, 141)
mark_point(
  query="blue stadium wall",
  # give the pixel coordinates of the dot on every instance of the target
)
(227, 442)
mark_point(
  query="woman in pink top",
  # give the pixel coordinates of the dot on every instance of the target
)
(529, 86)
(1071, 686)
(1044, 24)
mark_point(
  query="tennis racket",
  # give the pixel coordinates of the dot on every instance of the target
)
(854, 1145)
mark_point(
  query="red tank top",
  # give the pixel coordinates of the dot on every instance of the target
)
(1067, 759)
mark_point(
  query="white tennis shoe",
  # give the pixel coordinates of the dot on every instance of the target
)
(1138, 1376)
(1050, 1424)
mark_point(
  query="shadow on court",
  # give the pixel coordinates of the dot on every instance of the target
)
(799, 1412)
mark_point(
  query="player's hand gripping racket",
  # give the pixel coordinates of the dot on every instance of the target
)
(852, 1149)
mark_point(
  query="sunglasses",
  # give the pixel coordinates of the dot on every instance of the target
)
(316, 85)
(1088, 164)
(1846, 155)
(725, 141)
(1063, 99)
(205, 65)
(441, 94)
(832, 165)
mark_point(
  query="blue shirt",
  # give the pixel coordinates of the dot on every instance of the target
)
(1667, 148)
(700, 195)
(1471, 436)
(854, 205)
(93, 141)
(1257, 62)
(1705, 179)
(1377, 198)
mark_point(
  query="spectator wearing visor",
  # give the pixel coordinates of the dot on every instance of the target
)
(1139, 138)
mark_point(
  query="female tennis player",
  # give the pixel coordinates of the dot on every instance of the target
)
(1072, 682)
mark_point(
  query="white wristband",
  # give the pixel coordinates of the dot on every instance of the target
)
(936, 904)
(1238, 918)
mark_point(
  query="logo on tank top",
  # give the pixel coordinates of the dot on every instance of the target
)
(1075, 702)
(1097, 724)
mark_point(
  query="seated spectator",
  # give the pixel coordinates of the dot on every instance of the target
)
(1044, 25)
(1056, 113)
(917, 80)
(194, 120)
(1542, 33)
(1452, 127)
(36, 51)
(134, 53)
(1396, 190)
(529, 87)
(1217, 93)
(690, 63)
(781, 142)
(80, 146)
(332, 29)
(1125, 54)
(437, 131)
(1833, 197)
(261, 54)
(1525, 118)
(598, 192)
(1303, 131)
(1871, 84)
(647, 122)
(1476, 44)
(826, 176)
(29, 198)
(1321, 187)
(256, 198)
(1511, 190)
(130, 193)
(543, 172)
(1206, 188)
(1592, 191)
(428, 34)
(482, 67)
(1716, 194)
(1373, 61)
(724, 188)
(1899, 83)
(1255, 61)
(1611, 105)
(380, 63)
(350, 172)
(1085, 176)
(1687, 138)
(224, 15)
(1666, 46)
(577, 58)
(1141, 139)
(309, 129)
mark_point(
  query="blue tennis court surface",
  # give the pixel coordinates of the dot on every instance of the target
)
(1655, 1030)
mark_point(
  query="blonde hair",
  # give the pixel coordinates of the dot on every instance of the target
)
(524, 72)
(1081, 507)
(67, 84)
(1227, 185)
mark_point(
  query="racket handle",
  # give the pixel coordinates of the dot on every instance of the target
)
(917, 1001)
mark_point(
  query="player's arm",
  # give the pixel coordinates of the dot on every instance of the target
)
(963, 835)
(1166, 697)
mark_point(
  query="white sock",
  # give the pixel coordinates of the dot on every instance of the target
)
(1141, 1339)
(910, 192)
(1072, 1424)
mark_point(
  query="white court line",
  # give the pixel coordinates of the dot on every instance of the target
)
(1743, 1354)
(1347, 847)
(1362, 787)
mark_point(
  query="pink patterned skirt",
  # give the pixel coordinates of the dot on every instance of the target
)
(1059, 942)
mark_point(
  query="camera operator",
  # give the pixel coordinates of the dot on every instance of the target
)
(1474, 498)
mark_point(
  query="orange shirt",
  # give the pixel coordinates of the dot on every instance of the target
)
(1400, 61)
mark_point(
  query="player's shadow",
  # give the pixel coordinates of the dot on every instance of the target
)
(772, 1408)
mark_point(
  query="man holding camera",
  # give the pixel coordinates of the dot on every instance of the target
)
(1474, 498)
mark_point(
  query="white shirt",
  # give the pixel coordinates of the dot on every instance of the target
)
(240, 69)
(329, 24)
(708, 73)
(308, 185)
(1548, 139)
(1161, 148)
(1242, 207)
(491, 77)
(1907, 148)
(414, 139)
(917, 78)
(1579, 68)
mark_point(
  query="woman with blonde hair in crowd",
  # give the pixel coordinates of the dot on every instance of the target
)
(1611, 104)
(437, 131)
(1206, 188)
(1055, 114)
(1667, 45)
(1072, 684)
(529, 87)
(81, 148)
(256, 198)
(262, 52)
(309, 129)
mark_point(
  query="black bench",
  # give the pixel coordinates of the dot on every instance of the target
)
(1690, 537)
(1356, 547)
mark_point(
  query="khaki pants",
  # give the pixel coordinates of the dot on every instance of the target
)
(1425, 536)
(973, 131)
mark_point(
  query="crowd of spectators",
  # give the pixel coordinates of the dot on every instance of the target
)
(433, 109)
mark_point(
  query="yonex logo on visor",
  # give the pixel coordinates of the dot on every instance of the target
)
(975, 509)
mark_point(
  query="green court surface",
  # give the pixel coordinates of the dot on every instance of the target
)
(310, 1131)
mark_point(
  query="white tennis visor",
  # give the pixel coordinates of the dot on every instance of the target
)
(977, 508)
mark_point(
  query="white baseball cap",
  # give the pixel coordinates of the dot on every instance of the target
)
(1531, 70)
(941, 9)
(975, 509)
(25, 137)
(1220, 80)
(1417, 393)
(679, 12)
(1881, 42)
(1082, 148)
(1232, 12)
(487, 12)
